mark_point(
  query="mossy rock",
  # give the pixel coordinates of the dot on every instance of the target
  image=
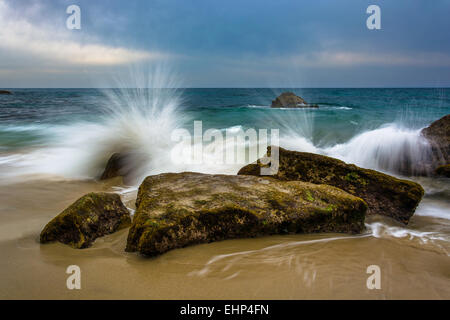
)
(438, 135)
(384, 194)
(443, 171)
(179, 209)
(92, 216)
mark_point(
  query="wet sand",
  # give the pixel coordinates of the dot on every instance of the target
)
(319, 266)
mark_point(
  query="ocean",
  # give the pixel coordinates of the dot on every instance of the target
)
(54, 144)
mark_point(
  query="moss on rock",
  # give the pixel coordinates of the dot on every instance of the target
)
(176, 210)
(384, 194)
(92, 216)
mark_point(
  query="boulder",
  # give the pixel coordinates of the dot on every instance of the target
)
(290, 100)
(5, 92)
(128, 165)
(114, 166)
(443, 171)
(92, 216)
(179, 209)
(438, 135)
(384, 194)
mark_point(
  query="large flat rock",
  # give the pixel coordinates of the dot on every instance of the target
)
(176, 210)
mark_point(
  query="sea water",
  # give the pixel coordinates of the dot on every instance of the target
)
(69, 134)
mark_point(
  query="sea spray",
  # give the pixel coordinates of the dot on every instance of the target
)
(137, 119)
(391, 148)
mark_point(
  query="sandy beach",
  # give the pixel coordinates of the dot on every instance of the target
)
(322, 266)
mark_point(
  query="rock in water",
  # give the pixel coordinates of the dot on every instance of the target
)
(113, 167)
(384, 194)
(443, 171)
(128, 165)
(92, 216)
(438, 134)
(290, 100)
(5, 92)
(179, 209)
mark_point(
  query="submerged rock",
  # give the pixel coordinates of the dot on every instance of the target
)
(114, 166)
(290, 100)
(443, 171)
(92, 216)
(128, 165)
(5, 92)
(438, 134)
(179, 209)
(384, 194)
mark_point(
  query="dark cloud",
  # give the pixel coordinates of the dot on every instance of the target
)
(257, 42)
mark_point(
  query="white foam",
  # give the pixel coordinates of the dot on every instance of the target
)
(380, 230)
(343, 108)
(390, 148)
(257, 106)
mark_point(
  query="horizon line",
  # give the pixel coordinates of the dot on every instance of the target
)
(375, 87)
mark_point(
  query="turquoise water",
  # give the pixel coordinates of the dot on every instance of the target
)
(374, 128)
(26, 116)
(71, 133)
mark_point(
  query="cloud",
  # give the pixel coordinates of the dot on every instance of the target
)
(48, 44)
(350, 58)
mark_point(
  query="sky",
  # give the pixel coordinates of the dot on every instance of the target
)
(217, 43)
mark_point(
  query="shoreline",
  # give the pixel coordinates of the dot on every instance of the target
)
(319, 270)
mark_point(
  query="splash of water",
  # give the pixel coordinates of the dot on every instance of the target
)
(138, 119)
(390, 148)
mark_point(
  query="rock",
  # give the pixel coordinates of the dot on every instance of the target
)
(5, 92)
(92, 216)
(384, 194)
(290, 100)
(438, 134)
(114, 166)
(128, 165)
(443, 171)
(179, 209)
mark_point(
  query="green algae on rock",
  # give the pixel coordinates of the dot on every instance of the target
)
(179, 209)
(384, 194)
(92, 216)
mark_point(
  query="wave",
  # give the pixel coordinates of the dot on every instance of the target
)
(327, 107)
(137, 122)
(391, 148)
(257, 106)
(437, 239)
(140, 123)
(22, 128)
(342, 108)
(139, 119)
